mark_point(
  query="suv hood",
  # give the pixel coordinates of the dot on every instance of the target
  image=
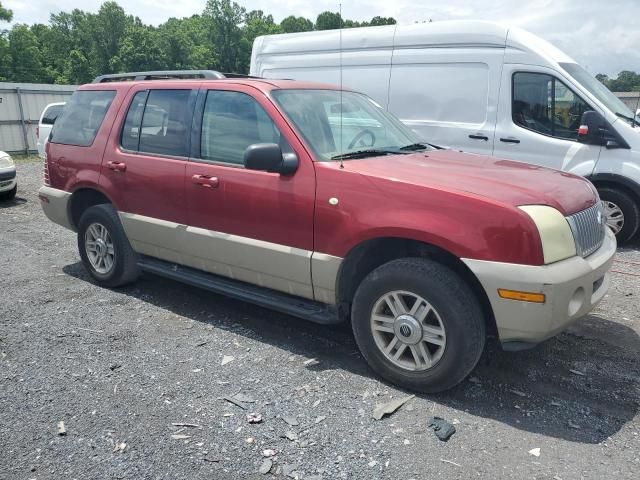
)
(504, 181)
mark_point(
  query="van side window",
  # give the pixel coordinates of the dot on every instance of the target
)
(81, 118)
(166, 123)
(545, 105)
(231, 122)
(131, 130)
(49, 117)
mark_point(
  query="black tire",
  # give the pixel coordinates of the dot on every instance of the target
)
(630, 210)
(10, 195)
(457, 306)
(125, 268)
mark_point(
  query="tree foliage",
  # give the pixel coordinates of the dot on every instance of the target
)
(76, 46)
(626, 81)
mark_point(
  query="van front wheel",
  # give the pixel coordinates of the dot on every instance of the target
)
(621, 212)
(418, 324)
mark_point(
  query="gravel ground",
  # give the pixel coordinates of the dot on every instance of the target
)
(125, 366)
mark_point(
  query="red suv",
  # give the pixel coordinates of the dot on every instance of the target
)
(316, 202)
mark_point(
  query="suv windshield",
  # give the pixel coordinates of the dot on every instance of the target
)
(345, 125)
(598, 90)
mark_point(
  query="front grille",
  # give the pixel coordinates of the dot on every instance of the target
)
(588, 227)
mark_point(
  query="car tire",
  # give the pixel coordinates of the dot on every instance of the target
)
(621, 212)
(453, 319)
(104, 248)
(10, 195)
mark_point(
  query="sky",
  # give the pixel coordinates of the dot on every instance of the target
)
(602, 36)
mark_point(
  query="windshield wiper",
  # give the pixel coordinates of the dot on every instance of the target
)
(415, 146)
(371, 152)
(627, 118)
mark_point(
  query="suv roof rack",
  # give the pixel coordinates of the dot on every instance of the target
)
(167, 75)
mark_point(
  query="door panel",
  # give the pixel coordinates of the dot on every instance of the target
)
(447, 103)
(250, 225)
(538, 112)
(144, 169)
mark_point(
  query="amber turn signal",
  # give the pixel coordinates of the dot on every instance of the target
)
(521, 296)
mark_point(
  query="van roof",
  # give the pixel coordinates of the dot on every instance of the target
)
(451, 33)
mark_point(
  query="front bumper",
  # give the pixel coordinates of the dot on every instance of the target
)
(572, 288)
(7, 179)
(55, 204)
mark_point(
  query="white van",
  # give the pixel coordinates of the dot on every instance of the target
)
(45, 124)
(480, 87)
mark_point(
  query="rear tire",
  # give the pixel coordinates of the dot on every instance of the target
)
(10, 195)
(441, 338)
(105, 249)
(621, 212)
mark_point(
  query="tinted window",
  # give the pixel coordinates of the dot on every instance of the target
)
(544, 104)
(231, 122)
(50, 115)
(166, 123)
(82, 117)
(131, 129)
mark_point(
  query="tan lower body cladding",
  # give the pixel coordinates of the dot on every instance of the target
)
(291, 270)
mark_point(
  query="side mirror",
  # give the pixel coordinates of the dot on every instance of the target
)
(596, 130)
(269, 157)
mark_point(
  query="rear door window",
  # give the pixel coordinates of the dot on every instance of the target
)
(166, 123)
(82, 117)
(51, 114)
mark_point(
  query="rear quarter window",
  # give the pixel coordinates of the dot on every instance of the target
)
(82, 117)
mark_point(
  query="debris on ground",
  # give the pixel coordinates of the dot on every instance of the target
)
(575, 426)
(518, 392)
(390, 407)
(268, 452)
(188, 425)
(450, 462)
(180, 436)
(442, 428)
(120, 446)
(293, 436)
(239, 400)
(321, 418)
(535, 452)
(310, 362)
(266, 466)
(211, 459)
(292, 421)
(254, 418)
(227, 359)
(578, 372)
(61, 429)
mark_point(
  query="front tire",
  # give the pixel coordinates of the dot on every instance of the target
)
(418, 324)
(621, 211)
(105, 249)
(9, 195)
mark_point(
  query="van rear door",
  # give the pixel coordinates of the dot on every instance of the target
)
(538, 118)
(447, 95)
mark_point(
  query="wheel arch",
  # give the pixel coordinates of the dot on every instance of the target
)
(83, 198)
(616, 181)
(370, 254)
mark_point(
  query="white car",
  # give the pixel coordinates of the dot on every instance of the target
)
(8, 183)
(45, 124)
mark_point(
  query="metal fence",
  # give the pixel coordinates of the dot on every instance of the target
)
(630, 99)
(21, 105)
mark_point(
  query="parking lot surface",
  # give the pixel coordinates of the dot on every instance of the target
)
(139, 377)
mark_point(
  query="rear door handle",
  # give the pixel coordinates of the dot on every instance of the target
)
(510, 140)
(117, 166)
(205, 181)
(479, 136)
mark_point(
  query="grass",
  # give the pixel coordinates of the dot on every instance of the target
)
(20, 159)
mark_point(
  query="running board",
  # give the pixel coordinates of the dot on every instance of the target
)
(299, 307)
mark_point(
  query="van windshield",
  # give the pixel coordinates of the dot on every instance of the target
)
(598, 90)
(345, 126)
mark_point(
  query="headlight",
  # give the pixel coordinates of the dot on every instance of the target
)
(6, 161)
(555, 232)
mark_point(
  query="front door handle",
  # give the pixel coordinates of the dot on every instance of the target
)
(117, 166)
(479, 136)
(205, 181)
(510, 140)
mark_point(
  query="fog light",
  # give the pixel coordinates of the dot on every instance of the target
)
(521, 296)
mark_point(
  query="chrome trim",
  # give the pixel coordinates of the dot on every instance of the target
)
(588, 228)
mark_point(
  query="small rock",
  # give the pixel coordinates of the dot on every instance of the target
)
(321, 418)
(372, 463)
(573, 425)
(578, 372)
(288, 469)
(227, 359)
(310, 362)
(535, 452)
(293, 421)
(266, 466)
(268, 452)
(61, 429)
(293, 436)
(254, 418)
(390, 407)
(120, 446)
(180, 436)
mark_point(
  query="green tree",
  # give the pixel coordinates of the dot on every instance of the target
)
(376, 21)
(328, 21)
(25, 57)
(626, 81)
(224, 18)
(6, 15)
(139, 50)
(293, 24)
